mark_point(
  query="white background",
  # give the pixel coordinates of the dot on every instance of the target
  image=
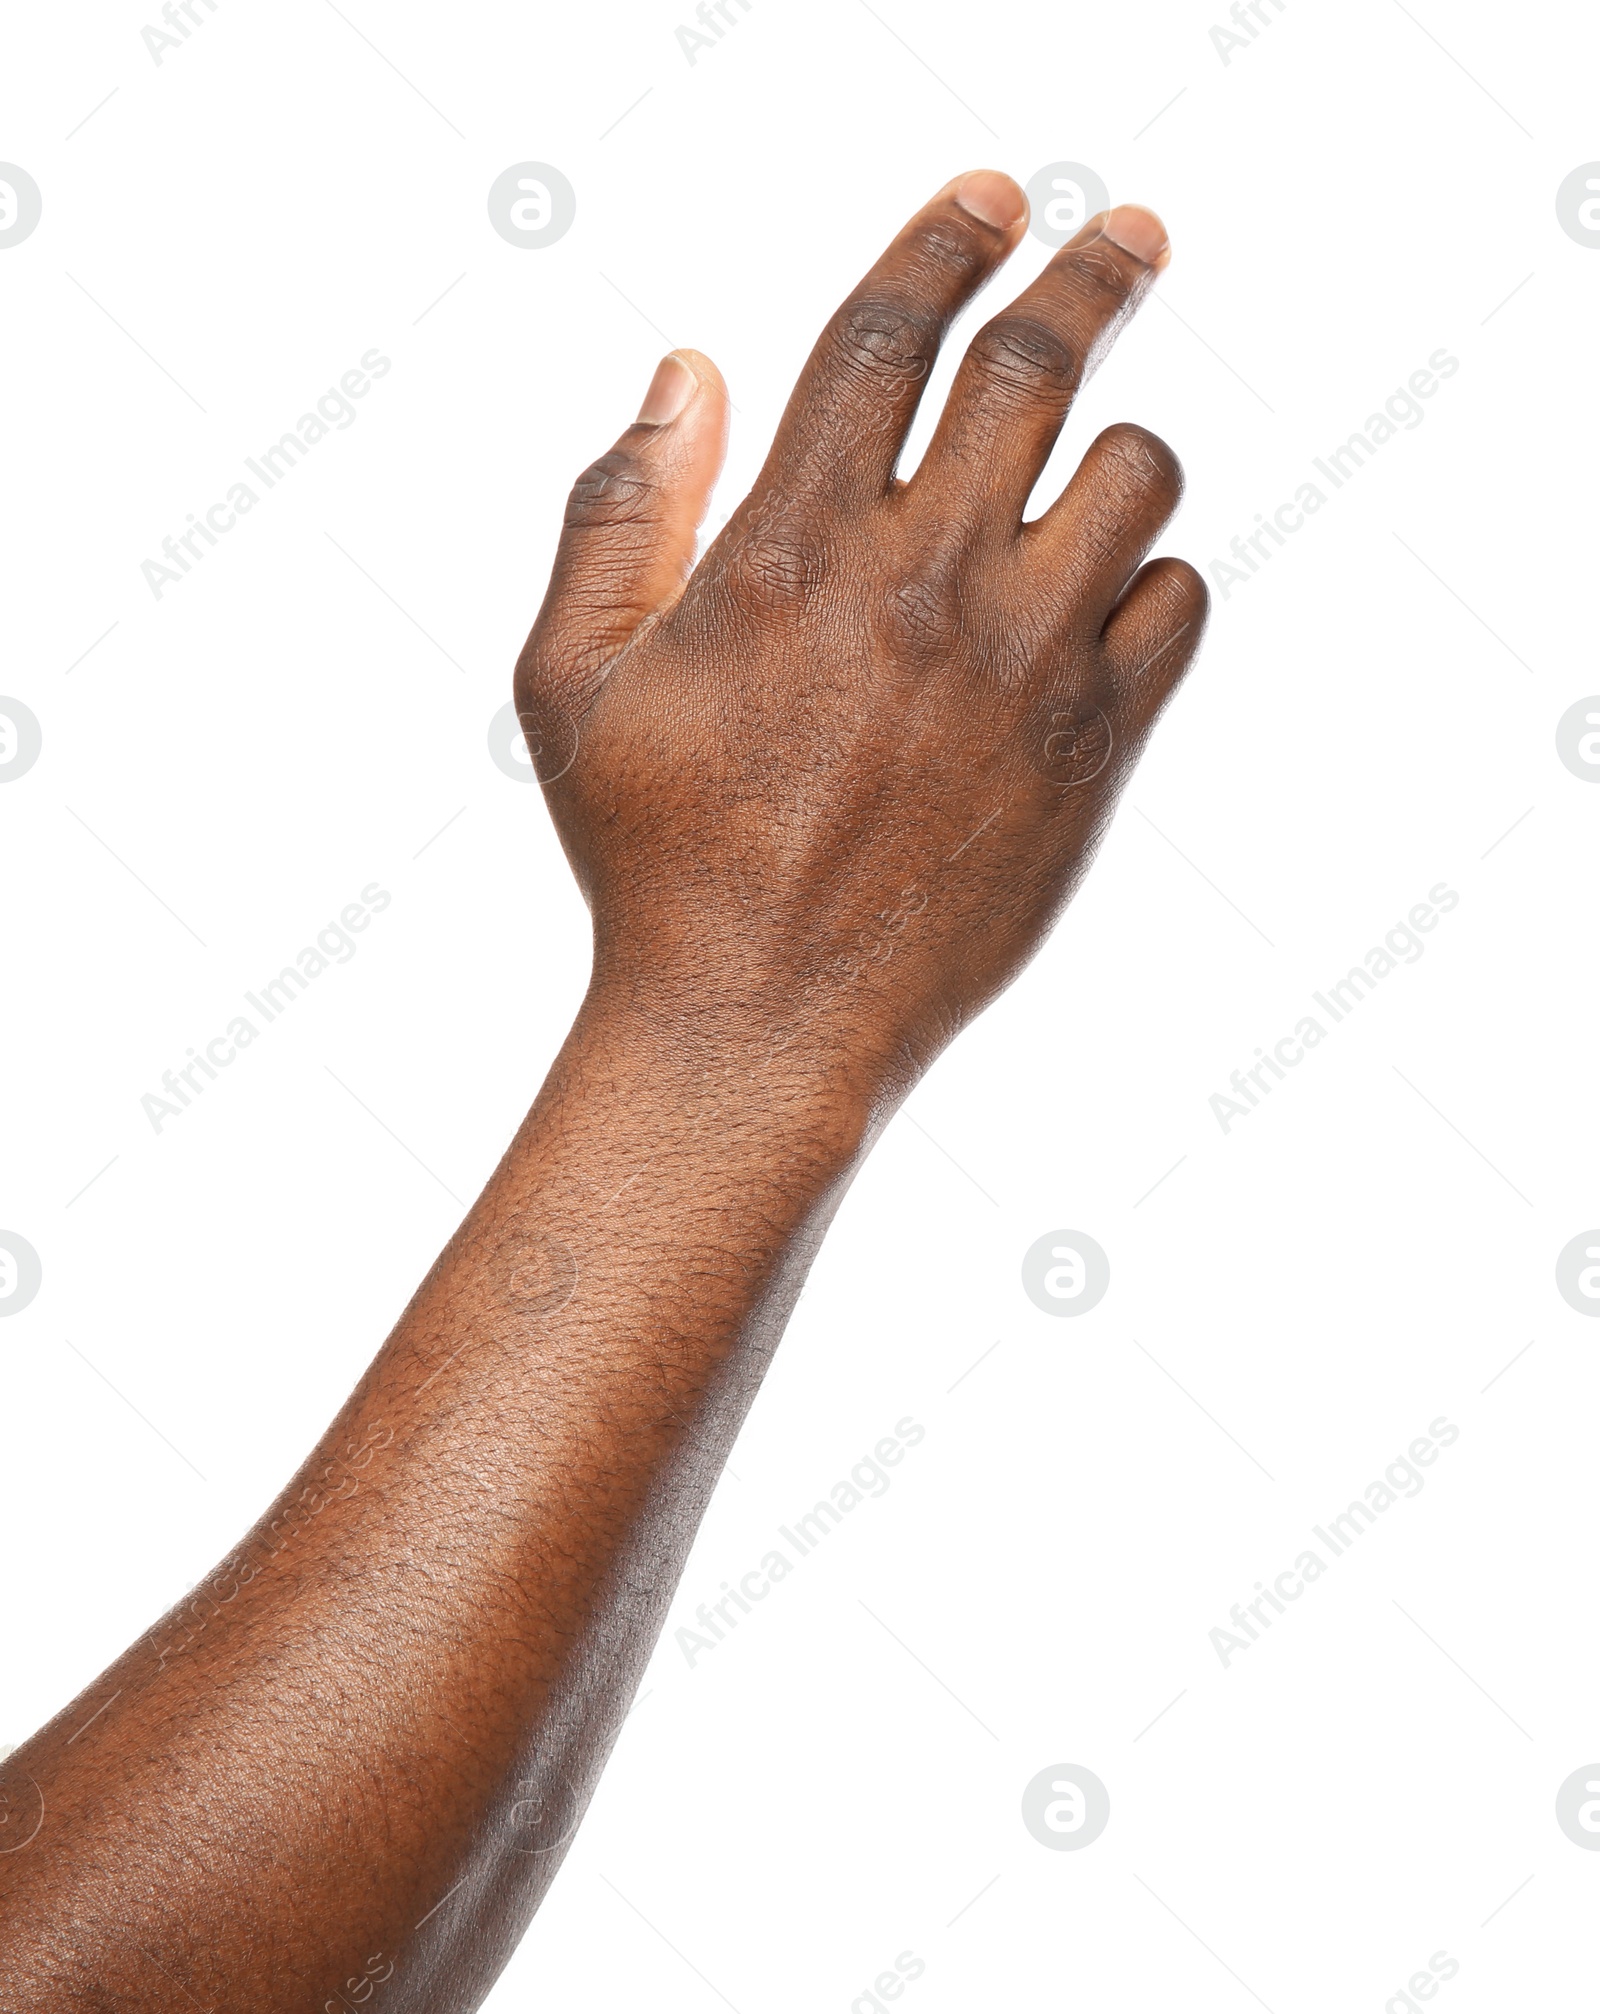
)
(1295, 1302)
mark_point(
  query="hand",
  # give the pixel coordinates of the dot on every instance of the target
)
(830, 789)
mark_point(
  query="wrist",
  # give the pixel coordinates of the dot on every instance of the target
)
(728, 1076)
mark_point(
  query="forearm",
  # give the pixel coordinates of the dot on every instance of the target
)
(420, 1657)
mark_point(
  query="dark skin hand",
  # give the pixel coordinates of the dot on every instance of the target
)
(825, 795)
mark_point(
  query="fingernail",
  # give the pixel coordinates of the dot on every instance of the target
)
(991, 197)
(1140, 232)
(670, 391)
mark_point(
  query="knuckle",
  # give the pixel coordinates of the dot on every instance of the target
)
(615, 490)
(1143, 459)
(1181, 585)
(771, 560)
(776, 572)
(1027, 356)
(886, 337)
(921, 619)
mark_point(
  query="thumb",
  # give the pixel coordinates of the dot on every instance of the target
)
(628, 538)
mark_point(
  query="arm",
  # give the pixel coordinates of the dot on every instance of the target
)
(824, 796)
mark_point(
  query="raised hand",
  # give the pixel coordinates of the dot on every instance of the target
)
(831, 786)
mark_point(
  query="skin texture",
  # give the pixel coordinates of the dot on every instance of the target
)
(825, 795)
